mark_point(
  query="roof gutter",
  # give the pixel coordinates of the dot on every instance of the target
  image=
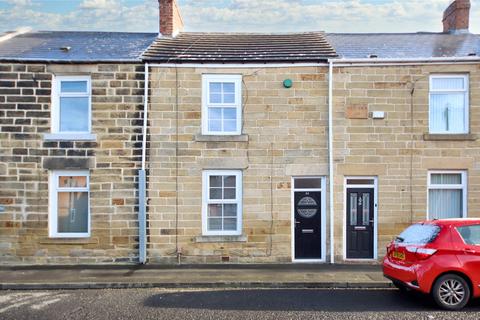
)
(396, 61)
(64, 61)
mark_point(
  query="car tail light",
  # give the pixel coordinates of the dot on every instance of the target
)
(422, 253)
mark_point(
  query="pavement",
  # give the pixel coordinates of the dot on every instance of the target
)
(192, 276)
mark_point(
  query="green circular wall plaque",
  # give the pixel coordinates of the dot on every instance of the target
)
(288, 83)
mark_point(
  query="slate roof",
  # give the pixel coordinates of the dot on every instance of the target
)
(84, 46)
(202, 47)
(404, 45)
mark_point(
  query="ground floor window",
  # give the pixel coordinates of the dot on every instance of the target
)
(222, 202)
(447, 194)
(69, 204)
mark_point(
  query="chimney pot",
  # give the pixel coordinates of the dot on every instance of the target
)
(171, 22)
(456, 18)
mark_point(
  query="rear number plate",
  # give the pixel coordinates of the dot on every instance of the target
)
(398, 255)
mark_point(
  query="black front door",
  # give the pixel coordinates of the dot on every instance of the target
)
(360, 223)
(308, 222)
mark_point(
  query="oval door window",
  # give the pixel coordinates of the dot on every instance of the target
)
(307, 212)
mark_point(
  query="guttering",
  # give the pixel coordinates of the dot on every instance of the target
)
(368, 62)
(402, 60)
(65, 61)
(330, 160)
(237, 65)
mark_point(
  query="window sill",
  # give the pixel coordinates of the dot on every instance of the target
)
(449, 137)
(220, 138)
(212, 239)
(72, 241)
(69, 137)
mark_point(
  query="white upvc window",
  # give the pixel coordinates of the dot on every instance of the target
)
(447, 194)
(221, 104)
(222, 202)
(69, 202)
(71, 105)
(449, 104)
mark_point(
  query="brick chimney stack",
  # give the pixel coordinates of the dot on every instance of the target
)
(457, 16)
(171, 22)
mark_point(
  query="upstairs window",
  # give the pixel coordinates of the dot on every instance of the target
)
(222, 105)
(449, 104)
(71, 105)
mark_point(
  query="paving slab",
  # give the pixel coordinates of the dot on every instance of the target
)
(192, 276)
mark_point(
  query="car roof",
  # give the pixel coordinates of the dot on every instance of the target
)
(453, 222)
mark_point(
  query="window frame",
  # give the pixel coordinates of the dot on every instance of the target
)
(54, 189)
(466, 92)
(206, 80)
(463, 186)
(206, 174)
(57, 94)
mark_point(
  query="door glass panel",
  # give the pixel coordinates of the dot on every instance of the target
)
(366, 209)
(308, 183)
(360, 181)
(353, 209)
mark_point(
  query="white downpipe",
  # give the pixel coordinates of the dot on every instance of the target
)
(330, 160)
(142, 181)
(145, 117)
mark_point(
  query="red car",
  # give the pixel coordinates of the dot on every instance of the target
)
(439, 257)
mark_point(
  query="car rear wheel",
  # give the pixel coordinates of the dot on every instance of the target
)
(451, 292)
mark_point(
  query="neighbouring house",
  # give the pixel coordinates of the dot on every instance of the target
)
(71, 109)
(260, 148)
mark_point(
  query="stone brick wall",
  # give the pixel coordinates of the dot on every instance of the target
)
(113, 159)
(383, 148)
(284, 135)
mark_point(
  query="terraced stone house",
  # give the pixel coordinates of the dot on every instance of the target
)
(259, 148)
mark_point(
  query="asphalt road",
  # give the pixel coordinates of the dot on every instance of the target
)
(223, 304)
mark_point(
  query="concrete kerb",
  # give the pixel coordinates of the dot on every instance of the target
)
(211, 285)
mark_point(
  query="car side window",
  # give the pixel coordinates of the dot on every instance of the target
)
(470, 234)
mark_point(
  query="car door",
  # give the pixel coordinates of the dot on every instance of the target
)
(469, 253)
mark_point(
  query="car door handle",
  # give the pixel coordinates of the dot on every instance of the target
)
(470, 251)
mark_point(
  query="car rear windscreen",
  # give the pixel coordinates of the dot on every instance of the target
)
(418, 234)
(470, 234)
